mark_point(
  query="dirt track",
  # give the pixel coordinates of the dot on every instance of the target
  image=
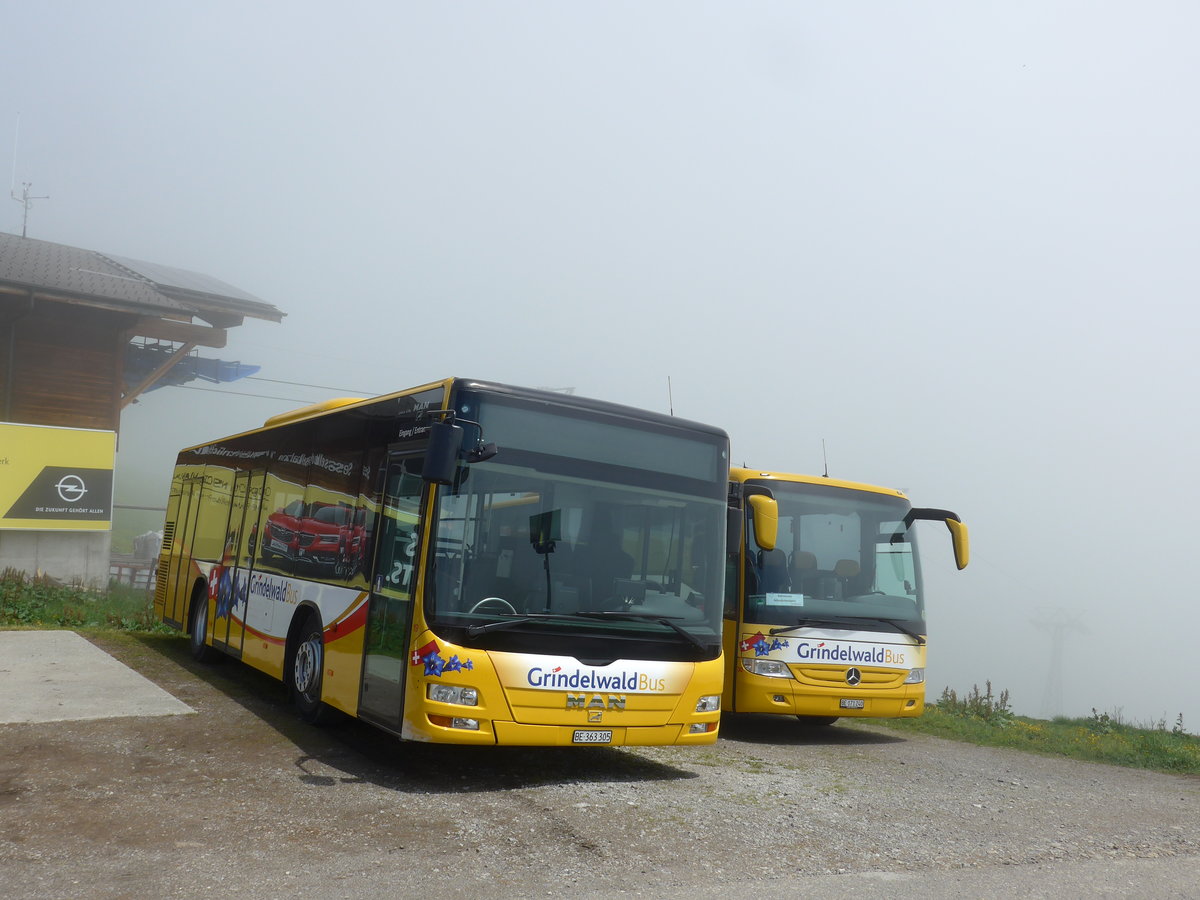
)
(242, 799)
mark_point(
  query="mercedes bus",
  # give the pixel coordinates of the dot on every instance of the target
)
(463, 562)
(824, 605)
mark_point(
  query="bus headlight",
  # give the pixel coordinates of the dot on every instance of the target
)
(915, 676)
(449, 693)
(772, 668)
(711, 703)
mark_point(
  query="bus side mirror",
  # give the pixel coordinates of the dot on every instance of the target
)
(958, 531)
(441, 457)
(765, 511)
(962, 545)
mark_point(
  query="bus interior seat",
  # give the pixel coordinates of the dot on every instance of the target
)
(844, 570)
(804, 572)
(774, 568)
(600, 567)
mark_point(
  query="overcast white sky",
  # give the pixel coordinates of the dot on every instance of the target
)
(955, 242)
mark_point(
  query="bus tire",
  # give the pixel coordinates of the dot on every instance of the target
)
(306, 671)
(198, 625)
(817, 721)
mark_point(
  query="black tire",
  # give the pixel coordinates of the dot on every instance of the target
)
(198, 626)
(306, 672)
(817, 721)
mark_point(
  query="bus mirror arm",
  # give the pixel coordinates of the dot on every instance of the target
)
(764, 512)
(445, 447)
(958, 531)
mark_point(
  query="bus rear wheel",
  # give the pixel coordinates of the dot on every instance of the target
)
(198, 626)
(308, 665)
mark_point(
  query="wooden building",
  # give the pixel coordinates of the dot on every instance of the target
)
(82, 334)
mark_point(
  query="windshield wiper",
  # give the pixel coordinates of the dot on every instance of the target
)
(473, 630)
(848, 620)
(646, 617)
(895, 623)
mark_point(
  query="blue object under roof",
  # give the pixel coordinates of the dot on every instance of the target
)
(143, 359)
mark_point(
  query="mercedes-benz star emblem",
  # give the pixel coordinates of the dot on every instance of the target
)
(71, 488)
(853, 677)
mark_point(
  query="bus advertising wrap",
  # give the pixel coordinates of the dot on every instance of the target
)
(56, 479)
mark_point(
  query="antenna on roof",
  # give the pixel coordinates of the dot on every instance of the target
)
(670, 397)
(825, 457)
(26, 200)
(12, 183)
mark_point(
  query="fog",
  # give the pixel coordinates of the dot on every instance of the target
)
(947, 248)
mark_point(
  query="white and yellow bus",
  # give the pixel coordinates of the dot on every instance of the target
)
(557, 584)
(824, 606)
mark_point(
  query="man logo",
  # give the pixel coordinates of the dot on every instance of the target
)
(71, 488)
(597, 701)
(853, 677)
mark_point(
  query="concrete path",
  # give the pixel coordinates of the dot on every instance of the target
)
(56, 676)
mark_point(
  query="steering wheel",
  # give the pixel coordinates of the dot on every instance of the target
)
(494, 601)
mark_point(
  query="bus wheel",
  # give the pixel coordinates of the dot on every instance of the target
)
(308, 664)
(817, 721)
(198, 626)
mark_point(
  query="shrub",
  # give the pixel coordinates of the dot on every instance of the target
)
(984, 706)
(40, 601)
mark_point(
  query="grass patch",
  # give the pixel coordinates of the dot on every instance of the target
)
(985, 719)
(27, 602)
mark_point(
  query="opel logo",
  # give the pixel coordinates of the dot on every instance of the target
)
(71, 488)
(853, 677)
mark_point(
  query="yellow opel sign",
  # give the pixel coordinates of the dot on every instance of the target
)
(56, 479)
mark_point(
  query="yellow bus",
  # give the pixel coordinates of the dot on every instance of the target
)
(463, 562)
(824, 608)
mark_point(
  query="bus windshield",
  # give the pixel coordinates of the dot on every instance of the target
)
(571, 547)
(841, 557)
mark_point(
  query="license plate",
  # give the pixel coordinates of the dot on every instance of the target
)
(278, 545)
(852, 704)
(592, 737)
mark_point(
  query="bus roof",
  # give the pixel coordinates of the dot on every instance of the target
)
(740, 475)
(344, 404)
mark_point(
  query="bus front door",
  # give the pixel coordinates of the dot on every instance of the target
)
(393, 580)
(234, 613)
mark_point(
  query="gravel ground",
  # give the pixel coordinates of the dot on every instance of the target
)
(241, 799)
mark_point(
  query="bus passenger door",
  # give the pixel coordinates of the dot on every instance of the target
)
(232, 617)
(259, 607)
(393, 580)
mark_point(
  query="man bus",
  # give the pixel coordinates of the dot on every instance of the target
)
(463, 562)
(824, 609)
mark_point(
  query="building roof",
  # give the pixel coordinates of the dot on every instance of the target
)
(57, 271)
